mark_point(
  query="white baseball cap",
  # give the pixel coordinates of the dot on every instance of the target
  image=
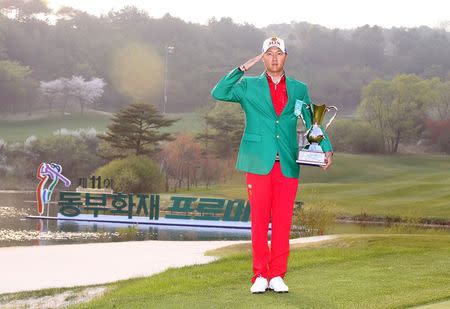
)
(274, 41)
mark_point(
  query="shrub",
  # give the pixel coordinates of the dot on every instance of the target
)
(74, 150)
(134, 174)
(351, 135)
(438, 131)
(74, 153)
(315, 219)
(128, 233)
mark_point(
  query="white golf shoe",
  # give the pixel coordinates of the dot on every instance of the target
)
(259, 286)
(277, 285)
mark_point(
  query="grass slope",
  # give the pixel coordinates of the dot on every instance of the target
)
(44, 125)
(403, 185)
(353, 271)
(19, 127)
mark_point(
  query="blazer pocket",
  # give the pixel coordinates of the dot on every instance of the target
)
(251, 137)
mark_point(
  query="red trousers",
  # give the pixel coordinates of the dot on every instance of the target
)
(271, 199)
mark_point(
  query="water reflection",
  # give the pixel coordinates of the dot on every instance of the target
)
(15, 230)
(12, 212)
(156, 232)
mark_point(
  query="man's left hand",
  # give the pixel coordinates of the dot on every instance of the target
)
(328, 160)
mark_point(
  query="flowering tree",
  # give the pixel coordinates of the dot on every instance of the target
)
(84, 92)
(52, 90)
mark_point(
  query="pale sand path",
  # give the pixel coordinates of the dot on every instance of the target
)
(40, 267)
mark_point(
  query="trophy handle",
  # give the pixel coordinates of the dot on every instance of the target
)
(334, 116)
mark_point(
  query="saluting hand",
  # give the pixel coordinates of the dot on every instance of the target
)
(246, 66)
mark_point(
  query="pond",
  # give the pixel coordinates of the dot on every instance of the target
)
(16, 230)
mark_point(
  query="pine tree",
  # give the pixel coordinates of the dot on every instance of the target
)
(136, 130)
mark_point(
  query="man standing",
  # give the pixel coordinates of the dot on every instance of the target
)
(267, 154)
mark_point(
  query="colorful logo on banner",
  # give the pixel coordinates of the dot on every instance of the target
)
(45, 172)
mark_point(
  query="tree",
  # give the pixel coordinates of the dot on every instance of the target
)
(137, 174)
(182, 159)
(75, 152)
(52, 90)
(23, 9)
(394, 107)
(135, 130)
(369, 42)
(354, 135)
(16, 85)
(438, 131)
(438, 98)
(210, 168)
(127, 47)
(225, 123)
(85, 92)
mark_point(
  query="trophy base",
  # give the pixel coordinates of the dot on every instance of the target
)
(311, 158)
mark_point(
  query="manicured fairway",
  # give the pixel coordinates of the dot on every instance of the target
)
(395, 185)
(353, 271)
(43, 125)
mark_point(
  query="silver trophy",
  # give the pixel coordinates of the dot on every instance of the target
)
(310, 152)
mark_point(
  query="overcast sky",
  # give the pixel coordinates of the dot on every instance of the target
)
(329, 13)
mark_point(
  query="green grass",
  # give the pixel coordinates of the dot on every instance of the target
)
(188, 123)
(402, 185)
(395, 185)
(353, 271)
(41, 124)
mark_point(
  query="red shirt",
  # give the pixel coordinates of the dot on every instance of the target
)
(278, 93)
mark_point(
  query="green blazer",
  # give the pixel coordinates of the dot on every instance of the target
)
(266, 133)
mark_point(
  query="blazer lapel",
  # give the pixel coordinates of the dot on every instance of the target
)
(290, 89)
(264, 86)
